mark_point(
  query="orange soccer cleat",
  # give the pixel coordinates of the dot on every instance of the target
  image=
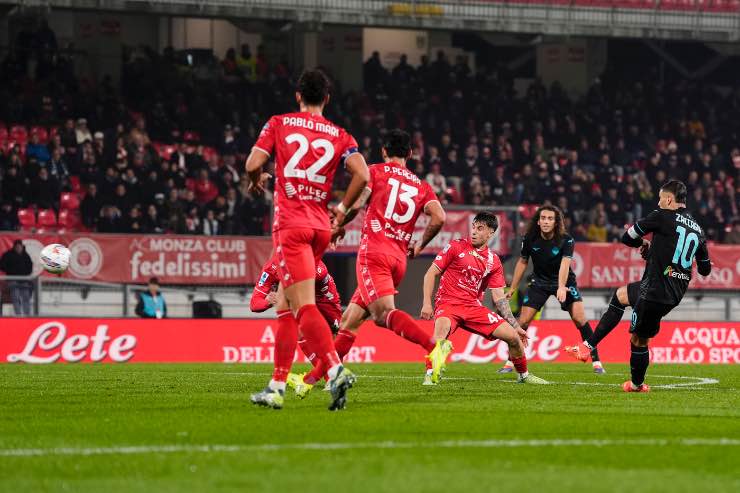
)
(580, 352)
(628, 386)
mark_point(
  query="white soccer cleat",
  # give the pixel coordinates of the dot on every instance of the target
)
(531, 379)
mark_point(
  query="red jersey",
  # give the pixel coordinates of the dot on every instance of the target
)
(398, 198)
(326, 289)
(307, 150)
(467, 273)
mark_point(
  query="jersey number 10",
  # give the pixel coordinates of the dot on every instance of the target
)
(685, 247)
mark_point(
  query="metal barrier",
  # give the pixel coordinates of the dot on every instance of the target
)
(709, 20)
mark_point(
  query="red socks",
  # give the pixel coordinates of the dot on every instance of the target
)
(343, 343)
(286, 339)
(402, 324)
(314, 328)
(520, 364)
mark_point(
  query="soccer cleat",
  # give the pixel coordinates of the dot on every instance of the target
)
(269, 398)
(628, 386)
(599, 368)
(294, 379)
(340, 384)
(428, 380)
(438, 356)
(507, 368)
(580, 352)
(327, 387)
(531, 379)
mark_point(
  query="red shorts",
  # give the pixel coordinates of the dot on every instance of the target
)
(298, 251)
(378, 275)
(332, 314)
(473, 318)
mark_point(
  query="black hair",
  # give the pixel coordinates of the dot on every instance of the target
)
(397, 143)
(488, 218)
(313, 85)
(154, 280)
(677, 188)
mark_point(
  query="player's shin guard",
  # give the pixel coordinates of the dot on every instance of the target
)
(402, 324)
(343, 343)
(608, 321)
(586, 332)
(286, 339)
(314, 328)
(639, 361)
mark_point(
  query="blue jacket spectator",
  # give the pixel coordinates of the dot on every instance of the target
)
(151, 302)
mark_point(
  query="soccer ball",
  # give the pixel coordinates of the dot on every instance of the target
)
(55, 258)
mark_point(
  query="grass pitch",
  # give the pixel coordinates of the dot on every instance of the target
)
(191, 428)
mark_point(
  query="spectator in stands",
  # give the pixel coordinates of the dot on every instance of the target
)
(597, 231)
(14, 187)
(436, 179)
(8, 217)
(110, 220)
(190, 224)
(205, 189)
(58, 170)
(151, 303)
(90, 207)
(211, 225)
(35, 149)
(152, 222)
(82, 133)
(17, 262)
(45, 191)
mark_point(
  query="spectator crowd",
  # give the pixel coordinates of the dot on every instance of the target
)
(165, 151)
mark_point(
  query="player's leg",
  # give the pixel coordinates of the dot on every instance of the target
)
(437, 358)
(506, 333)
(385, 314)
(624, 296)
(286, 339)
(646, 317)
(578, 315)
(532, 303)
(639, 362)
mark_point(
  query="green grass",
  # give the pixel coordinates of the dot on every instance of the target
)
(92, 406)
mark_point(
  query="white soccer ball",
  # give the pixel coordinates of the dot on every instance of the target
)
(55, 258)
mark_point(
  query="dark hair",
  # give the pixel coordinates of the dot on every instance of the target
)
(313, 85)
(677, 188)
(397, 143)
(533, 229)
(488, 218)
(154, 280)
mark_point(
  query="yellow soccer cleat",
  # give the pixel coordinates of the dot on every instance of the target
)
(301, 388)
(438, 357)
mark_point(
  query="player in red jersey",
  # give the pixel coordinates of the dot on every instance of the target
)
(468, 268)
(265, 296)
(307, 149)
(395, 199)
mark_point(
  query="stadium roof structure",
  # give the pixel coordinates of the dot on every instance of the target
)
(705, 20)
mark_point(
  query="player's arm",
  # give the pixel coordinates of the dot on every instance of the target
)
(355, 209)
(519, 268)
(430, 279)
(703, 264)
(263, 297)
(437, 218)
(357, 167)
(257, 159)
(504, 309)
(633, 237)
(565, 261)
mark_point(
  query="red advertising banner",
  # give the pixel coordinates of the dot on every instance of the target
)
(607, 265)
(39, 341)
(175, 259)
(456, 226)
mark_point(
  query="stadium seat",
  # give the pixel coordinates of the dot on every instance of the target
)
(69, 219)
(69, 201)
(209, 152)
(527, 210)
(19, 133)
(3, 133)
(47, 218)
(42, 133)
(27, 219)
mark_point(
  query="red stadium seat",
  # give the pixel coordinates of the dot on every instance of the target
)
(19, 133)
(3, 133)
(74, 182)
(527, 210)
(69, 219)
(209, 152)
(27, 219)
(47, 218)
(69, 201)
(42, 133)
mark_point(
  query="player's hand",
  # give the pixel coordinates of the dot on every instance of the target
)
(427, 311)
(562, 293)
(259, 187)
(523, 336)
(414, 250)
(510, 293)
(645, 249)
(336, 237)
(272, 298)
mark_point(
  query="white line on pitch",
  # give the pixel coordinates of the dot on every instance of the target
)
(515, 443)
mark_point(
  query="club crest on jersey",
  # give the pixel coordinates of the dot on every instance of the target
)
(555, 250)
(461, 254)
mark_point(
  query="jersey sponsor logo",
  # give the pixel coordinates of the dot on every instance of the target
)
(263, 279)
(670, 272)
(375, 225)
(290, 189)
